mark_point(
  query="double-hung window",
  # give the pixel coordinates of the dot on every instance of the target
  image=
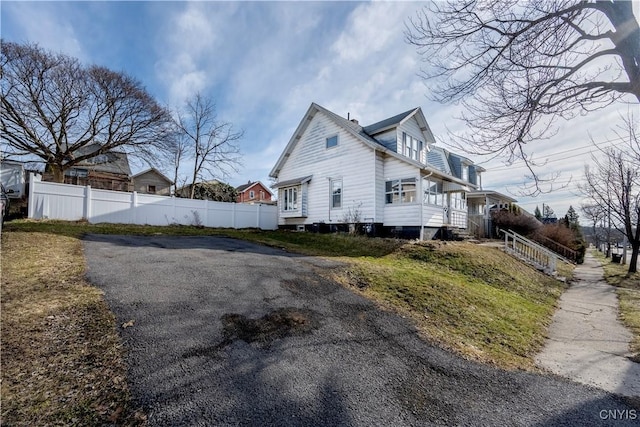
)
(290, 198)
(400, 191)
(411, 147)
(336, 193)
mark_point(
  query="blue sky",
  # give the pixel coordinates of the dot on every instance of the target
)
(265, 62)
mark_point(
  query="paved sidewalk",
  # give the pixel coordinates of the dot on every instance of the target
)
(586, 342)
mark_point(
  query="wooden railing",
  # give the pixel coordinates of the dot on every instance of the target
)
(530, 251)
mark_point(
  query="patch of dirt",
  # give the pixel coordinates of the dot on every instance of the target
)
(278, 324)
(314, 285)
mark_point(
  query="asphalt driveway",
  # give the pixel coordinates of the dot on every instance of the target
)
(225, 332)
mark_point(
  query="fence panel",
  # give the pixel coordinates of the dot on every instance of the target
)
(72, 203)
(56, 201)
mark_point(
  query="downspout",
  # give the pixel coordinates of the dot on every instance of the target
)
(375, 187)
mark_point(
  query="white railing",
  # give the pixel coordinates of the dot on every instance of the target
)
(532, 252)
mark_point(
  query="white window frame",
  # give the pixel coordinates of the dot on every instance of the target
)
(396, 192)
(433, 193)
(412, 147)
(252, 194)
(336, 184)
(458, 201)
(464, 173)
(290, 199)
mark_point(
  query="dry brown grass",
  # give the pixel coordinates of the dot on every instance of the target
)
(61, 356)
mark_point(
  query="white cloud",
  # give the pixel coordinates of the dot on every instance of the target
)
(187, 47)
(50, 25)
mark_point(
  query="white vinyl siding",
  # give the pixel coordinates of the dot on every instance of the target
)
(350, 161)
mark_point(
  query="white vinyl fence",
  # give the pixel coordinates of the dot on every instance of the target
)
(48, 200)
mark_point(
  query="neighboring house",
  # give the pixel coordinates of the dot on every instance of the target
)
(152, 181)
(107, 171)
(388, 175)
(253, 192)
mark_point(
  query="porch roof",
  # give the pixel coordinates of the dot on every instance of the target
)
(494, 195)
(289, 182)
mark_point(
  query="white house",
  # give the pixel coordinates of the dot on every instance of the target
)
(388, 175)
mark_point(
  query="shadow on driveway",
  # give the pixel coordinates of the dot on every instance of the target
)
(226, 332)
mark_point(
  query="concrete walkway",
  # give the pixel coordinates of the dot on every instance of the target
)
(586, 342)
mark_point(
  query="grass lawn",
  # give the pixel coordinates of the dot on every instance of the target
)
(62, 358)
(628, 290)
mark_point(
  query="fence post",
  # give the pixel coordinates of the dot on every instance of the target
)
(32, 204)
(258, 216)
(233, 215)
(134, 206)
(87, 203)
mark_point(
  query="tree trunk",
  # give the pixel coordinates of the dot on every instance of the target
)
(633, 264)
(58, 173)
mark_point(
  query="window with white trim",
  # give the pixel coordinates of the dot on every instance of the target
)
(412, 147)
(465, 172)
(252, 194)
(459, 201)
(433, 194)
(290, 199)
(332, 141)
(336, 193)
(400, 191)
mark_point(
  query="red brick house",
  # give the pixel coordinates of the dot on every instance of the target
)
(253, 192)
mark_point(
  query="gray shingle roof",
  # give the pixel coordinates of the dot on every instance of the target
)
(391, 121)
(112, 161)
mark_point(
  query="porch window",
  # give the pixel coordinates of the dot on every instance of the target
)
(400, 191)
(459, 201)
(336, 193)
(433, 194)
(290, 197)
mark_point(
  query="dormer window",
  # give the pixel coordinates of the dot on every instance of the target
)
(412, 147)
(465, 172)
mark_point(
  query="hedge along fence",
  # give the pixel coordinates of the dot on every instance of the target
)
(48, 200)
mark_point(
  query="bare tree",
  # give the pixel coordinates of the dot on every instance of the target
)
(211, 143)
(519, 66)
(596, 214)
(53, 106)
(613, 184)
